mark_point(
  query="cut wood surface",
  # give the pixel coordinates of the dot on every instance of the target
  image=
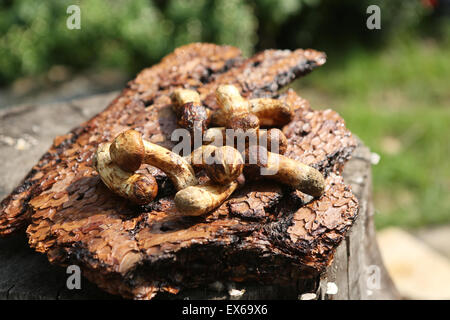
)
(138, 252)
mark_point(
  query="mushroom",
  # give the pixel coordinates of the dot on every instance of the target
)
(221, 164)
(235, 109)
(273, 138)
(138, 188)
(128, 151)
(200, 157)
(227, 165)
(190, 112)
(117, 162)
(285, 170)
(197, 200)
(175, 166)
(270, 112)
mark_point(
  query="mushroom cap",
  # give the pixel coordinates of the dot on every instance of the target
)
(192, 116)
(127, 150)
(144, 189)
(227, 165)
(245, 122)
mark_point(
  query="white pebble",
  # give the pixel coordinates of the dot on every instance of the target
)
(332, 288)
(22, 144)
(374, 158)
(308, 296)
(236, 292)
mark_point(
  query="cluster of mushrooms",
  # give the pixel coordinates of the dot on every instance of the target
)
(118, 161)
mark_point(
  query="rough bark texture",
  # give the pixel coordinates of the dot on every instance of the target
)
(265, 233)
(26, 274)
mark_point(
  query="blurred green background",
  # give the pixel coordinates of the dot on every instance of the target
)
(390, 85)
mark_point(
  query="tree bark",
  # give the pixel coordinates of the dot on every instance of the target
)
(265, 233)
(25, 274)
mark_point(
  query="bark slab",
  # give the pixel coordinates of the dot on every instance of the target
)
(138, 252)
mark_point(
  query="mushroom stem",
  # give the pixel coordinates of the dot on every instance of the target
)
(235, 109)
(197, 200)
(285, 170)
(230, 100)
(296, 174)
(269, 139)
(175, 166)
(182, 96)
(129, 148)
(271, 112)
(190, 112)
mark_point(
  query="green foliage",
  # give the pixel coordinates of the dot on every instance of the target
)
(130, 35)
(341, 25)
(122, 34)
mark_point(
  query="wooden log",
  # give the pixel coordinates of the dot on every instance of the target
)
(357, 269)
(25, 274)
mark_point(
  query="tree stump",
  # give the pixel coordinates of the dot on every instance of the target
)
(357, 270)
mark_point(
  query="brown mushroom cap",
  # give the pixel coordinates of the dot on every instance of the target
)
(193, 117)
(246, 121)
(127, 150)
(144, 189)
(227, 165)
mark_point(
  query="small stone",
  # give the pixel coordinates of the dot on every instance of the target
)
(358, 180)
(374, 158)
(235, 293)
(308, 296)
(332, 288)
(7, 140)
(22, 144)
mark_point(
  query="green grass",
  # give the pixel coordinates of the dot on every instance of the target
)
(398, 102)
